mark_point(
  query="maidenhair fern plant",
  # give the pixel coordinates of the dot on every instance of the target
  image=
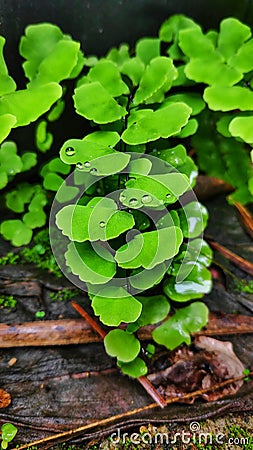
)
(222, 62)
(50, 58)
(125, 224)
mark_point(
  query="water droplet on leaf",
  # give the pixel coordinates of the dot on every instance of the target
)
(70, 151)
(133, 201)
(102, 224)
(146, 199)
(168, 196)
(122, 197)
(87, 164)
(79, 165)
(93, 171)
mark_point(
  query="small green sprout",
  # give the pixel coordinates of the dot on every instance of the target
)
(150, 350)
(246, 372)
(8, 432)
(40, 314)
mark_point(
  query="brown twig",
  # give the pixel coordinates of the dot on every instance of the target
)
(89, 319)
(151, 390)
(245, 218)
(218, 324)
(242, 263)
(78, 331)
(208, 187)
(46, 332)
(67, 435)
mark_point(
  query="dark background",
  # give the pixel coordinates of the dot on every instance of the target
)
(101, 24)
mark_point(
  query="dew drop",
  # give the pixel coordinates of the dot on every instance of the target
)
(70, 151)
(122, 197)
(87, 164)
(102, 224)
(133, 201)
(93, 171)
(168, 196)
(146, 199)
(79, 165)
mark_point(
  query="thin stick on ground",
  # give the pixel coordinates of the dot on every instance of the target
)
(240, 262)
(89, 319)
(67, 435)
(150, 389)
(246, 218)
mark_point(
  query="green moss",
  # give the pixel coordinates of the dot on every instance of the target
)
(7, 301)
(9, 258)
(244, 286)
(64, 295)
(241, 436)
(39, 254)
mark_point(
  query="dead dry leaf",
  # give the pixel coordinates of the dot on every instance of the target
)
(209, 363)
(5, 399)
